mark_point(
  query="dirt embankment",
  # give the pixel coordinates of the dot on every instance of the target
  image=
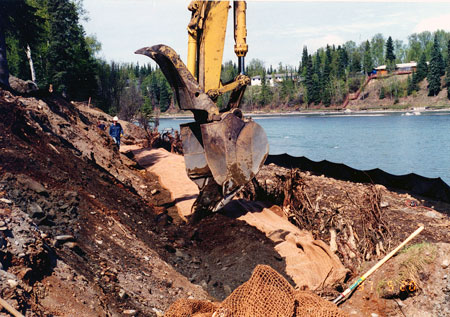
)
(93, 212)
(370, 96)
(86, 230)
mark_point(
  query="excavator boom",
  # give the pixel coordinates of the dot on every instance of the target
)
(223, 150)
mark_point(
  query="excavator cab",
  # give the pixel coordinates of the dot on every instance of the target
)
(222, 150)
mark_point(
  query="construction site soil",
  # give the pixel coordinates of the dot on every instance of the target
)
(86, 230)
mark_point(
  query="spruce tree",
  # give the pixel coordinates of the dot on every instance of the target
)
(326, 78)
(367, 61)
(422, 68)
(355, 66)
(447, 76)
(19, 22)
(434, 74)
(70, 64)
(409, 88)
(317, 78)
(340, 62)
(304, 60)
(390, 57)
(412, 83)
(309, 84)
(264, 96)
(327, 65)
(382, 93)
(442, 63)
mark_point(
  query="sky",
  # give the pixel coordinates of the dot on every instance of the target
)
(276, 30)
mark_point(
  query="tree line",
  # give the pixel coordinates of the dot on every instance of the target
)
(329, 74)
(44, 41)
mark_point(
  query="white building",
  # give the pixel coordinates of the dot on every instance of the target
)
(272, 80)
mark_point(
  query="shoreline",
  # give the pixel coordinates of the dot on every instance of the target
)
(321, 112)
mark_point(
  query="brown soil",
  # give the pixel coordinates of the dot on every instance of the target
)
(370, 98)
(85, 230)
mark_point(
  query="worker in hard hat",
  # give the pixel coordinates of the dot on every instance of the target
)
(115, 130)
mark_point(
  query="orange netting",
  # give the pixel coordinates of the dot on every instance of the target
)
(266, 293)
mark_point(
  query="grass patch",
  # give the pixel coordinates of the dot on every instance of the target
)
(409, 264)
(438, 106)
(399, 107)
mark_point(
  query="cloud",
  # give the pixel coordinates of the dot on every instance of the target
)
(315, 43)
(353, 27)
(441, 22)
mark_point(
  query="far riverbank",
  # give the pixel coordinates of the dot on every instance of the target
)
(319, 112)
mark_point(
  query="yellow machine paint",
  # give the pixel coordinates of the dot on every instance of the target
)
(222, 149)
(206, 40)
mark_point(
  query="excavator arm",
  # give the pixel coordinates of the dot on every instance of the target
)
(223, 150)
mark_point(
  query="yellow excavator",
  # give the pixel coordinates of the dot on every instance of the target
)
(223, 150)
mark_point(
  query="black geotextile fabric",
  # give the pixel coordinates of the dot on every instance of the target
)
(434, 188)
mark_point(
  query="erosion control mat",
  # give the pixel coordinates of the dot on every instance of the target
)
(266, 293)
(431, 187)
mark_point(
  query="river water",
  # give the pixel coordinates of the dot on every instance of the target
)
(394, 142)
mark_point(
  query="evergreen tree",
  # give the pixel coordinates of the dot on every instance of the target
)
(265, 96)
(422, 68)
(409, 88)
(367, 61)
(382, 93)
(317, 78)
(390, 57)
(441, 62)
(304, 60)
(309, 83)
(434, 73)
(19, 23)
(326, 94)
(317, 89)
(340, 69)
(345, 58)
(326, 78)
(70, 64)
(327, 65)
(447, 76)
(355, 66)
(412, 83)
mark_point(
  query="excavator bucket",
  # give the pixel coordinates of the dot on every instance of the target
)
(235, 150)
(222, 152)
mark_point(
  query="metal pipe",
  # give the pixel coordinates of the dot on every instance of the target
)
(240, 33)
(241, 64)
(192, 55)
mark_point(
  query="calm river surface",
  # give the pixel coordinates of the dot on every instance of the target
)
(396, 143)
